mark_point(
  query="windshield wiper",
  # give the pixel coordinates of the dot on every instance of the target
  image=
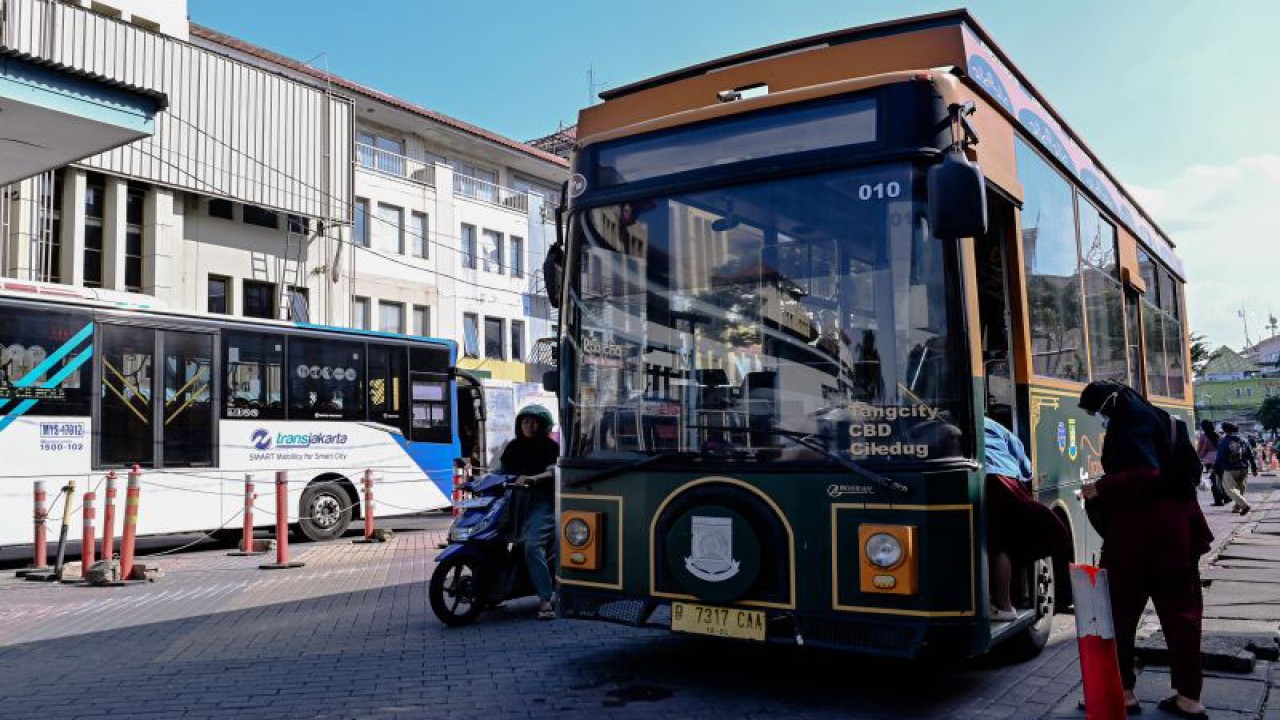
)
(807, 440)
(633, 465)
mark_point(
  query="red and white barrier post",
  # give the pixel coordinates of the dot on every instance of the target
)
(40, 551)
(1096, 635)
(246, 532)
(130, 534)
(368, 511)
(86, 537)
(459, 479)
(282, 526)
(109, 518)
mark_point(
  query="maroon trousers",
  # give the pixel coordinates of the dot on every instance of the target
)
(1179, 604)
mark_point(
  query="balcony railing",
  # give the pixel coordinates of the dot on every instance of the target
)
(485, 191)
(390, 163)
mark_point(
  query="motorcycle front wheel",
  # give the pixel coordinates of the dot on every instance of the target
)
(455, 591)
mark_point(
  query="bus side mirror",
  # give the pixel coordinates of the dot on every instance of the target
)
(551, 381)
(957, 198)
(553, 273)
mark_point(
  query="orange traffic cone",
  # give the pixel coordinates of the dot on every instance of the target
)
(1096, 635)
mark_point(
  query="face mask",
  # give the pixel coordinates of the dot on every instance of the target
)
(1105, 420)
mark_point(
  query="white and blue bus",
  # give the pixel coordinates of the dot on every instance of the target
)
(94, 381)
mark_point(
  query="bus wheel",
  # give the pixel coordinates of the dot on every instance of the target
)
(1032, 639)
(324, 512)
(454, 591)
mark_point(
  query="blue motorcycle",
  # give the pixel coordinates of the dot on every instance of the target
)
(483, 566)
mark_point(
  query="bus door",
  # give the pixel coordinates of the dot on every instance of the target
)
(156, 402)
(994, 312)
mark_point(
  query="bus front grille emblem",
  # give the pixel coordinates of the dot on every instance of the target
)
(711, 557)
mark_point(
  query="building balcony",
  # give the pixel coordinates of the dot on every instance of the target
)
(400, 166)
(465, 186)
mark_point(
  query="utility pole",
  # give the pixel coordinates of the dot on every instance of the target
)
(1244, 318)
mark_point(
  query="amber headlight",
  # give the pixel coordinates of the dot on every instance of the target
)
(884, 550)
(577, 533)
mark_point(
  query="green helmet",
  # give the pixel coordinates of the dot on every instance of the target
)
(543, 415)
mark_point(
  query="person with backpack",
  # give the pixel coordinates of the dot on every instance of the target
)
(1153, 534)
(1207, 449)
(1235, 460)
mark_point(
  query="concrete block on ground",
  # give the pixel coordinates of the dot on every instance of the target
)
(1227, 653)
(149, 573)
(259, 545)
(104, 571)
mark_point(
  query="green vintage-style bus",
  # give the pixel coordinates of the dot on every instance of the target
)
(791, 283)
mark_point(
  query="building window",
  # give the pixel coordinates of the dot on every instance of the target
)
(299, 300)
(259, 299)
(517, 256)
(47, 263)
(471, 335)
(254, 215)
(493, 340)
(1053, 269)
(360, 229)
(391, 317)
(491, 251)
(475, 182)
(469, 247)
(419, 237)
(298, 224)
(94, 201)
(219, 294)
(517, 340)
(422, 320)
(360, 308)
(220, 208)
(390, 229)
(378, 152)
(134, 203)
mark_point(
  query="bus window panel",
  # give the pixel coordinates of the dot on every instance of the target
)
(430, 407)
(27, 340)
(1153, 332)
(1134, 332)
(326, 379)
(1052, 269)
(429, 359)
(1173, 355)
(1104, 302)
(126, 434)
(1097, 239)
(388, 385)
(254, 383)
(1147, 268)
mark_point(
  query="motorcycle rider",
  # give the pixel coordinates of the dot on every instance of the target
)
(531, 456)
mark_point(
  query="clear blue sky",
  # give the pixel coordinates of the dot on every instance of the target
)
(1163, 91)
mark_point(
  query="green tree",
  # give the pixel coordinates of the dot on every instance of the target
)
(1269, 414)
(1200, 352)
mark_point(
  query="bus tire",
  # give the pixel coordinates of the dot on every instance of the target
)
(324, 512)
(455, 590)
(1032, 639)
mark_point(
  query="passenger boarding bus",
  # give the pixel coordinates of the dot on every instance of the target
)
(94, 381)
(794, 281)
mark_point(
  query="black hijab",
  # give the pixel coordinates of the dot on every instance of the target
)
(1137, 431)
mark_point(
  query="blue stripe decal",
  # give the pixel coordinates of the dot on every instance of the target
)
(52, 382)
(50, 361)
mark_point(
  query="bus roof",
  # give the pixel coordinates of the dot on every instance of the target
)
(946, 39)
(145, 304)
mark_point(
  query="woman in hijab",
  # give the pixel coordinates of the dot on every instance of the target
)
(1153, 534)
(1207, 449)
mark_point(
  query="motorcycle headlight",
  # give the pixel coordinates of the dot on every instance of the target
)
(884, 550)
(577, 533)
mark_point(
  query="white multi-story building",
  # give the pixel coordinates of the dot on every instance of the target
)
(269, 188)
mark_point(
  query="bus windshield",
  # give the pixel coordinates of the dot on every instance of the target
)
(731, 322)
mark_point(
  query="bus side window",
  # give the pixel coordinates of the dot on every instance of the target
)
(429, 400)
(326, 379)
(388, 385)
(27, 339)
(254, 364)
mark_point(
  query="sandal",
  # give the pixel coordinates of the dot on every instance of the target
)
(1170, 705)
(1134, 709)
(547, 611)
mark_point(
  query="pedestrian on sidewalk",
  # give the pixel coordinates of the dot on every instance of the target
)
(1153, 534)
(1235, 460)
(1207, 449)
